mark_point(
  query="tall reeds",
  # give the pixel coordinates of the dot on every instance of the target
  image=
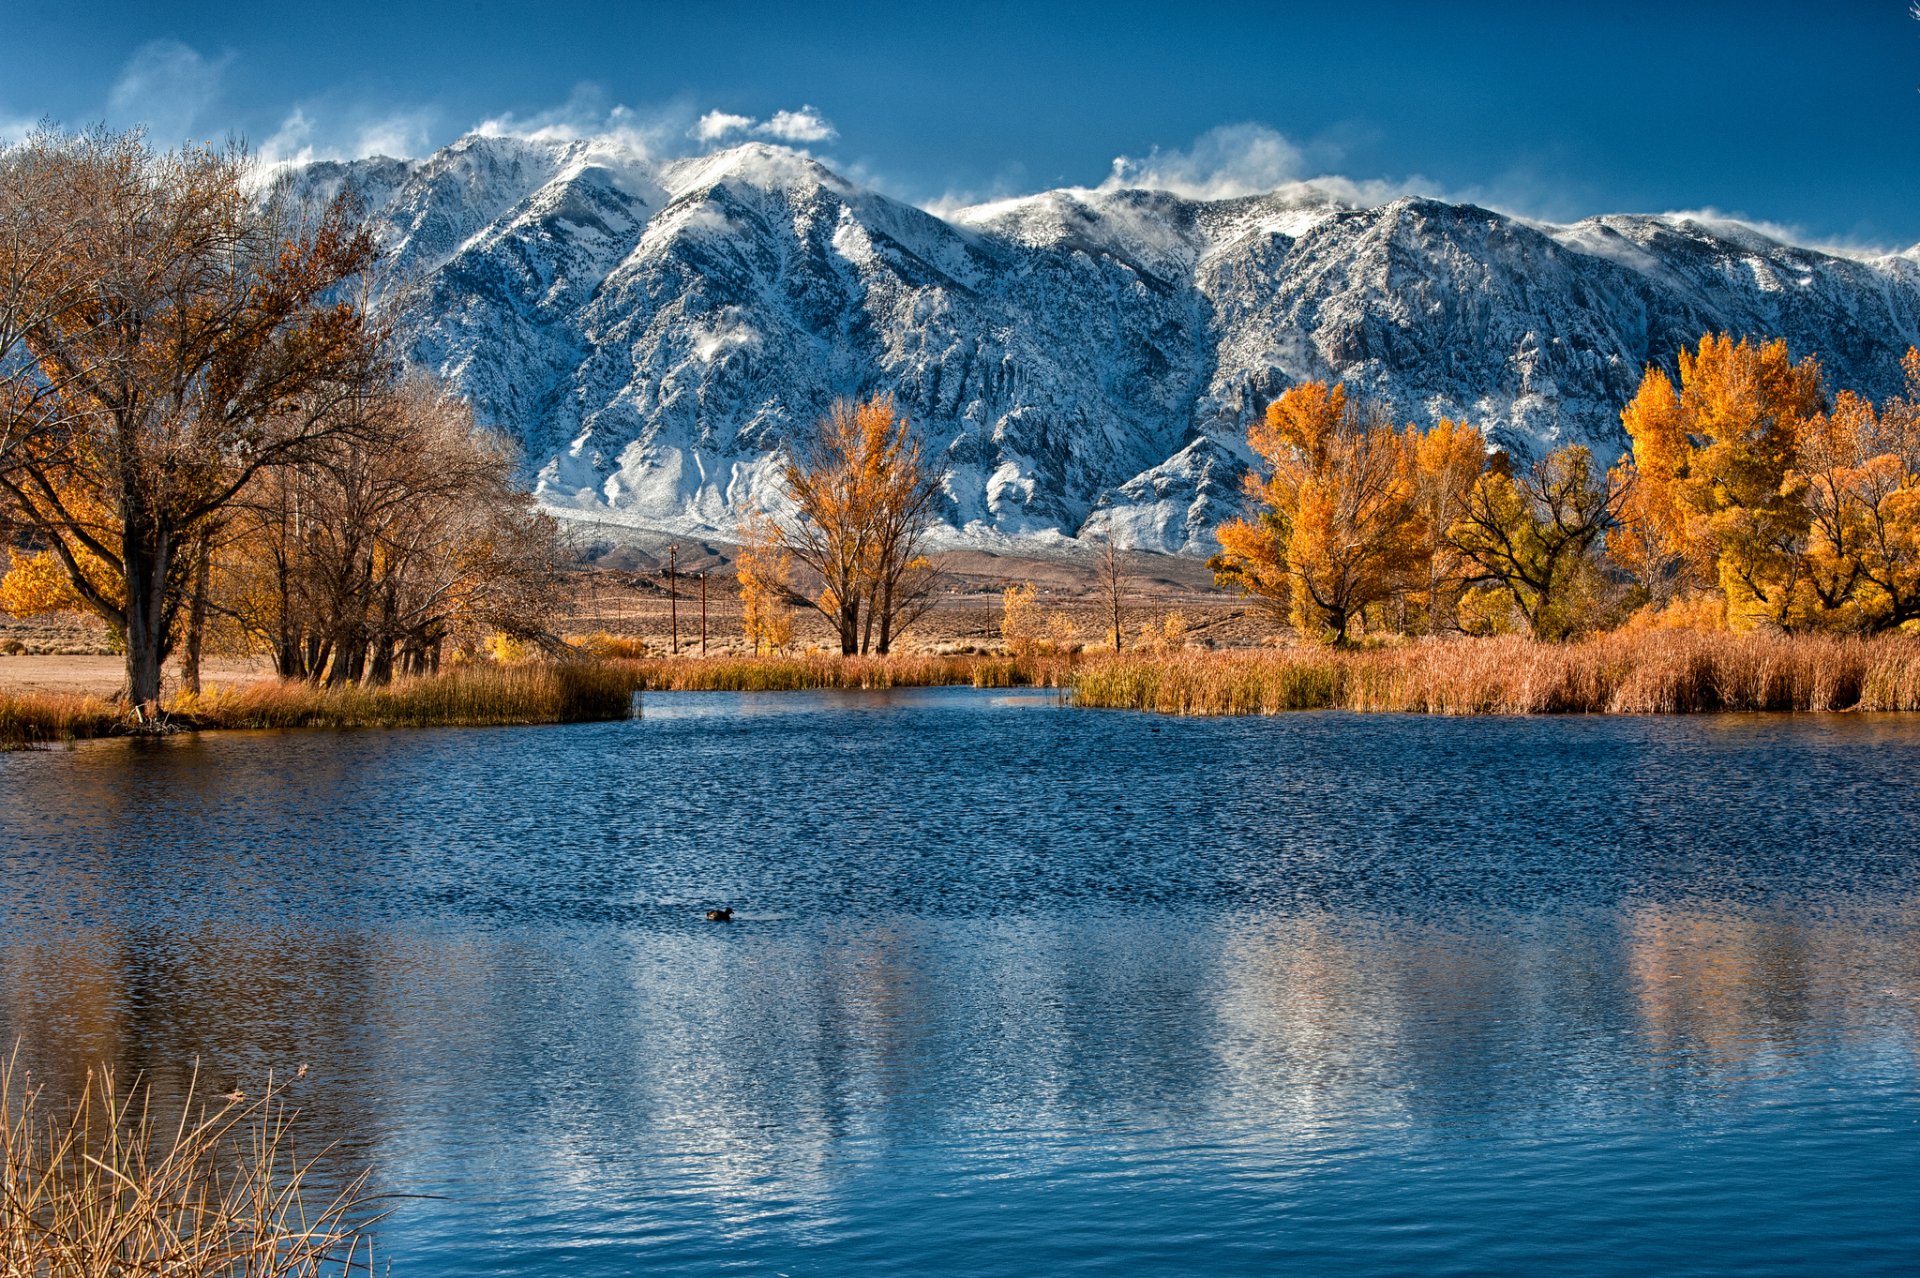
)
(821, 671)
(475, 696)
(106, 1186)
(1653, 672)
(34, 718)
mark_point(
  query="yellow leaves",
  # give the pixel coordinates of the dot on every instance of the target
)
(1343, 524)
(1790, 511)
(1028, 630)
(507, 650)
(865, 496)
(38, 584)
(1301, 421)
(764, 570)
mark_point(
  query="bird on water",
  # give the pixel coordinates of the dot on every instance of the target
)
(720, 916)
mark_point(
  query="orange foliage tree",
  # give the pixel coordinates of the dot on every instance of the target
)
(864, 494)
(1799, 513)
(764, 570)
(1346, 512)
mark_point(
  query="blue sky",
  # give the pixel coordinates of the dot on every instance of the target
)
(1805, 116)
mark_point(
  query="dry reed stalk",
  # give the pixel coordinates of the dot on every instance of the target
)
(1646, 672)
(105, 1188)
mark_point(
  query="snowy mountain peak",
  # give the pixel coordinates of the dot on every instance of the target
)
(1081, 359)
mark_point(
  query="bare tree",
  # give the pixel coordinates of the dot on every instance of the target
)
(1110, 572)
(211, 345)
(359, 563)
(42, 274)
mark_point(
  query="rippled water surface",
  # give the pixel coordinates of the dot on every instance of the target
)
(1015, 989)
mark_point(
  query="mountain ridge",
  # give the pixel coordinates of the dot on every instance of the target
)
(1082, 361)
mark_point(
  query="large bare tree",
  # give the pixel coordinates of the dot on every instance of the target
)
(191, 333)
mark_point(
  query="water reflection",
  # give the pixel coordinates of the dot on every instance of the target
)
(1050, 1019)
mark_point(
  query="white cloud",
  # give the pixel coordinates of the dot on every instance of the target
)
(402, 134)
(166, 86)
(586, 115)
(715, 125)
(804, 125)
(291, 143)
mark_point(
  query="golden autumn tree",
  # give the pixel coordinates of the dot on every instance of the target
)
(1858, 473)
(1442, 466)
(1532, 537)
(1718, 459)
(1338, 527)
(211, 344)
(764, 570)
(864, 496)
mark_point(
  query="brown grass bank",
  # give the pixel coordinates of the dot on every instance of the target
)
(1647, 673)
(477, 696)
(31, 718)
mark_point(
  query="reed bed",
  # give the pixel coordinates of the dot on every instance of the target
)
(106, 1186)
(476, 696)
(1662, 672)
(29, 719)
(820, 670)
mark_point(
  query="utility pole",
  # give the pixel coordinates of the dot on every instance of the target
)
(703, 613)
(673, 597)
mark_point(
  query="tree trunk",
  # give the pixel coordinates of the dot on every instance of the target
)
(850, 628)
(147, 559)
(886, 618)
(380, 672)
(196, 617)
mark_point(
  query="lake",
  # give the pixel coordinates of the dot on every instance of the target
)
(1019, 989)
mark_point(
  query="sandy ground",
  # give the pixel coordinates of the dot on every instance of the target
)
(102, 676)
(626, 594)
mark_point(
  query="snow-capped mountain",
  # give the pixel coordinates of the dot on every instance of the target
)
(1080, 360)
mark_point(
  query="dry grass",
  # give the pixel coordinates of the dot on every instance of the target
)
(104, 1186)
(795, 674)
(34, 718)
(476, 696)
(1670, 672)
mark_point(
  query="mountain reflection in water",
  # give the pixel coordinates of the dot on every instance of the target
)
(1017, 989)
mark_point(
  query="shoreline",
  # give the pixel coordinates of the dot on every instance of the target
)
(1649, 672)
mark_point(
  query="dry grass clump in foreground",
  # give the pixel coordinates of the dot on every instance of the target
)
(1656, 672)
(476, 696)
(105, 1186)
(34, 718)
(822, 670)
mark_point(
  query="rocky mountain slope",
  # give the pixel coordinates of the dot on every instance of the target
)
(1082, 361)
